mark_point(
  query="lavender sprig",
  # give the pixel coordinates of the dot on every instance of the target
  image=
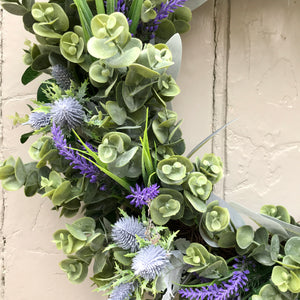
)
(142, 196)
(163, 12)
(77, 161)
(168, 8)
(227, 289)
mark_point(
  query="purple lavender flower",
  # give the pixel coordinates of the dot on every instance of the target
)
(150, 262)
(227, 290)
(38, 120)
(77, 161)
(167, 8)
(124, 233)
(163, 12)
(122, 291)
(142, 196)
(67, 112)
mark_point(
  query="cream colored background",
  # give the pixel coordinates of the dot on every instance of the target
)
(241, 60)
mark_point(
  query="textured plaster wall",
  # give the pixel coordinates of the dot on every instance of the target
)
(241, 60)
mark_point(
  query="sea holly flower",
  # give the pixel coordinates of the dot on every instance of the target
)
(38, 120)
(124, 233)
(122, 292)
(62, 76)
(67, 112)
(142, 196)
(150, 261)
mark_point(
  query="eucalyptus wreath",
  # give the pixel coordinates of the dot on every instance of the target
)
(110, 148)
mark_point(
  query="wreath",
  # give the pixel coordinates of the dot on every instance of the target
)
(110, 153)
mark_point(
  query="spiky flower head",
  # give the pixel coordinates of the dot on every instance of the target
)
(150, 262)
(124, 232)
(38, 120)
(122, 291)
(67, 112)
(62, 76)
(142, 196)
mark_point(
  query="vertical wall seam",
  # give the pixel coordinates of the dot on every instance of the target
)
(226, 98)
(221, 40)
(3, 239)
(214, 71)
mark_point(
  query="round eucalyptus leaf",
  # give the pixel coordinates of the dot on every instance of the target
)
(244, 236)
(76, 270)
(32, 184)
(14, 8)
(292, 248)
(61, 193)
(11, 183)
(126, 157)
(198, 204)
(6, 171)
(117, 113)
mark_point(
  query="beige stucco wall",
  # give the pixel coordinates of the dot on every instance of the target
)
(241, 60)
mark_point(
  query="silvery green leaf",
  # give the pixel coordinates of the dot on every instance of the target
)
(171, 276)
(194, 4)
(269, 223)
(206, 238)
(175, 46)
(202, 143)
(235, 217)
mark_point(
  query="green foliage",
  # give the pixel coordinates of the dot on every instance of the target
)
(76, 269)
(216, 218)
(286, 280)
(198, 184)
(210, 165)
(112, 41)
(205, 263)
(268, 292)
(174, 170)
(72, 46)
(51, 20)
(169, 204)
(278, 212)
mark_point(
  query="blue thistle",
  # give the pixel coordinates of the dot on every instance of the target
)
(77, 161)
(124, 232)
(67, 112)
(150, 262)
(122, 292)
(62, 76)
(142, 196)
(38, 120)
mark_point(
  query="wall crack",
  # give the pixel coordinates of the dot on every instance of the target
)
(2, 208)
(221, 40)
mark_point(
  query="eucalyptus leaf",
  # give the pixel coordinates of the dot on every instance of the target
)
(29, 75)
(14, 8)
